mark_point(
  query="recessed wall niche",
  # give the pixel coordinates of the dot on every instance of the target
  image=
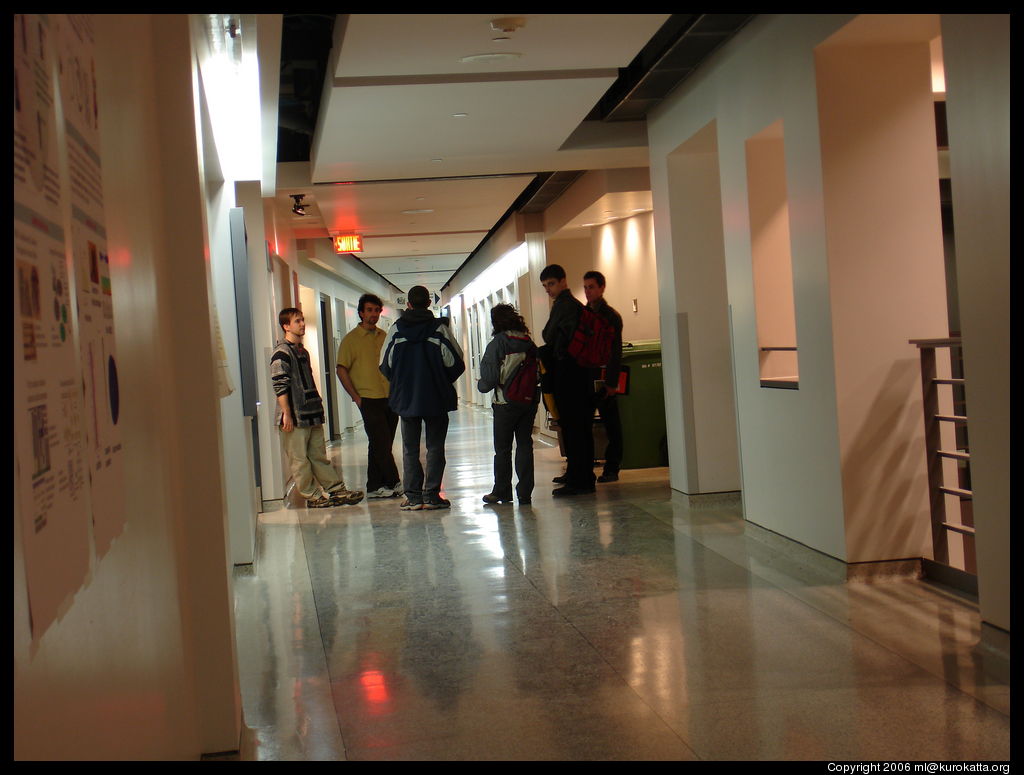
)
(771, 258)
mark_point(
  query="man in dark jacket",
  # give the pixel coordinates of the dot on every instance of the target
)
(421, 359)
(607, 408)
(572, 386)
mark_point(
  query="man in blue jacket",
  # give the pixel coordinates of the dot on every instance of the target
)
(421, 360)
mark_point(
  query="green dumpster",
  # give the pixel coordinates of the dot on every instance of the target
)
(642, 408)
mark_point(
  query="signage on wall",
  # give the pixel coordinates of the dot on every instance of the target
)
(348, 243)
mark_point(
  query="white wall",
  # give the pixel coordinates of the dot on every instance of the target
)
(788, 438)
(976, 49)
(141, 666)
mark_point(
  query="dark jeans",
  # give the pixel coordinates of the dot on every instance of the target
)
(380, 424)
(513, 421)
(608, 408)
(418, 488)
(574, 398)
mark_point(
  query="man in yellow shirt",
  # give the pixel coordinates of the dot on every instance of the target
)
(359, 372)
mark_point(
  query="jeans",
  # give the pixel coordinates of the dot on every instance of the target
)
(380, 424)
(418, 488)
(513, 421)
(574, 398)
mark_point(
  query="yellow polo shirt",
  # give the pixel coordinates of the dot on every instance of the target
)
(360, 354)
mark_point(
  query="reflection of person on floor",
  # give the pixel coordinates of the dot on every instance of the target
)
(607, 407)
(359, 372)
(300, 418)
(571, 384)
(512, 419)
(421, 360)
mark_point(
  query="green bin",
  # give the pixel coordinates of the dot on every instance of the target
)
(642, 409)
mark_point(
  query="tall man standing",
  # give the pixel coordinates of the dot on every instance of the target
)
(359, 371)
(421, 360)
(572, 386)
(608, 409)
(300, 418)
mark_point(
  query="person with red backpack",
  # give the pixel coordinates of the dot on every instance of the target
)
(570, 382)
(509, 368)
(607, 408)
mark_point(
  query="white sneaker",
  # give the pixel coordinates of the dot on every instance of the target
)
(381, 492)
(397, 490)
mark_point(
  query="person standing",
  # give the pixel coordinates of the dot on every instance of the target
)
(572, 387)
(300, 418)
(359, 371)
(607, 407)
(513, 419)
(421, 360)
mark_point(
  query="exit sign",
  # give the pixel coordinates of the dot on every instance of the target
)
(348, 243)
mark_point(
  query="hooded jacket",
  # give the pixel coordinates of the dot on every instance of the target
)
(495, 366)
(421, 360)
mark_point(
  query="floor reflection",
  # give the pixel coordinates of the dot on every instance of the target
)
(620, 625)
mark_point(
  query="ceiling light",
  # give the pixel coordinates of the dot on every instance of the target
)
(298, 208)
(460, 115)
(492, 57)
(415, 212)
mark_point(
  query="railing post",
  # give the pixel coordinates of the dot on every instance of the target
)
(933, 443)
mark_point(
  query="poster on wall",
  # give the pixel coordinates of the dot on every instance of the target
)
(51, 477)
(91, 266)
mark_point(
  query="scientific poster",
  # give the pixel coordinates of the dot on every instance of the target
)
(49, 439)
(91, 265)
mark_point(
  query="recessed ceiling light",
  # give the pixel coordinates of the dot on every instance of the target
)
(437, 161)
(496, 56)
(415, 212)
(460, 115)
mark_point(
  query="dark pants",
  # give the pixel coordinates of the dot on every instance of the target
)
(418, 488)
(380, 424)
(574, 399)
(608, 409)
(513, 421)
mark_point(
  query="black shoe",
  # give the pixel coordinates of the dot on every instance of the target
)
(492, 498)
(560, 479)
(525, 501)
(569, 490)
(608, 476)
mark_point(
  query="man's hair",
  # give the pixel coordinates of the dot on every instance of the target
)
(552, 271)
(286, 315)
(505, 318)
(593, 274)
(369, 298)
(419, 297)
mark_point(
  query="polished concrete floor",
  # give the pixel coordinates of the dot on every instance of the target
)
(618, 626)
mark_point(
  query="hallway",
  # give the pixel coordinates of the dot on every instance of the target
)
(624, 625)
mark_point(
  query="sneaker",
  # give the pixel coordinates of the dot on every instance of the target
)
(397, 490)
(408, 505)
(322, 502)
(381, 492)
(492, 498)
(437, 503)
(345, 497)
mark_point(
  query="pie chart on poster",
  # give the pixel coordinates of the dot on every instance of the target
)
(115, 399)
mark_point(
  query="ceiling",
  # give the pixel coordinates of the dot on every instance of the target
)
(422, 132)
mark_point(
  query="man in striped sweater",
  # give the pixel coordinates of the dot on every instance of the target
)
(300, 418)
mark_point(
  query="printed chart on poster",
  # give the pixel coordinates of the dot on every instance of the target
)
(51, 477)
(91, 265)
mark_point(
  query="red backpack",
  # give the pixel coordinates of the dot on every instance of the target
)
(592, 341)
(521, 385)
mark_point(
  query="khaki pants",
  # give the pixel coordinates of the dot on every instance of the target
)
(307, 459)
